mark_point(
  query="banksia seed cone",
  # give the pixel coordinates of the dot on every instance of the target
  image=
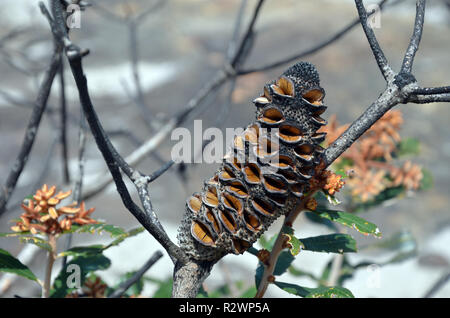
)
(265, 173)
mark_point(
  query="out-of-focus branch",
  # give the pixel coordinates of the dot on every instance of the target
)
(219, 78)
(333, 38)
(137, 276)
(78, 184)
(63, 125)
(30, 133)
(444, 279)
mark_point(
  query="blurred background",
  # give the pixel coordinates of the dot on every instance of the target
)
(180, 46)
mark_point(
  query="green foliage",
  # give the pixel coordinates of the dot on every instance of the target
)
(119, 236)
(87, 264)
(164, 287)
(294, 271)
(267, 243)
(295, 245)
(15, 234)
(133, 290)
(331, 243)
(233, 289)
(284, 261)
(385, 195)
(10, 264)
(349, 220)
(41, 243)
(408, 146)
(98, 228)
(427, 180)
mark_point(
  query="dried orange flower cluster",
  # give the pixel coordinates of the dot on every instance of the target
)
(326, 180)
(409, 175)
(371, 157)
(43, 216)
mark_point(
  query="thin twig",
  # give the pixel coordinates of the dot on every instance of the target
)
(51, 257)
(333, 38)
(382, 62)
(78, 185)
(425, 99)
(432, 90)
(444, 279)
(63, 125)
(137, 276)
(408, 60)
(30, 133)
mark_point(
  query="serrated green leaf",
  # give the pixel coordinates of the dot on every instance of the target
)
(99, 248)
(293, 242)
(15, 234)
(319, 292)
(120, 238)
(331, 243)
(41, 243)
(10, 264)
(98, 228)
(87, 264)
(83, 251)
(350, 220)
(408, 146)
(313, 217)
(295, 245)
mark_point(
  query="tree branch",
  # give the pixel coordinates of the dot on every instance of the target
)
(408, 60)
(382, 62)
(113, 160)
(30, 132)
(333, 38)
(137, 276)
